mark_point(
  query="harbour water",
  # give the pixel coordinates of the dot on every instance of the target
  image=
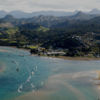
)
(25, 77)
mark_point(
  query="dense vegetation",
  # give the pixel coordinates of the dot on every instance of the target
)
(72, 35)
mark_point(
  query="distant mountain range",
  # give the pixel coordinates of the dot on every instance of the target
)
(94, 11)
(74, 20)
(21, 14)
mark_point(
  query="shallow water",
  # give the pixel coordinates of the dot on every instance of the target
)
(25, 77)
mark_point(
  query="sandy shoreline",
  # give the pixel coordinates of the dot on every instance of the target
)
(71, 58)
(3, 49)
(79, 58)
(60, 57)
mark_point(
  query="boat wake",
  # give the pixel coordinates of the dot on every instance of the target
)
(28, 84)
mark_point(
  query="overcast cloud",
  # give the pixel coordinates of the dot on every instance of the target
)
(37, 5)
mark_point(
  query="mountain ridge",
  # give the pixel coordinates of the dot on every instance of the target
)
(22, 14)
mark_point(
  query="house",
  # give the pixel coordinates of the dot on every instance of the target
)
(53, 53)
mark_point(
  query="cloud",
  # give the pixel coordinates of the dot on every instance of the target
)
(36, 5)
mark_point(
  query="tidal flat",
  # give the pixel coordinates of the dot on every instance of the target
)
(43, 78)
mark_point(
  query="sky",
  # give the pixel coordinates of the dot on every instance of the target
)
(44, 5)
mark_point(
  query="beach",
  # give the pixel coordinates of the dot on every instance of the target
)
(61, 57)
(78, 58)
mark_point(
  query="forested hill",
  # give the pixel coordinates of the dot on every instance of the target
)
(79, 33)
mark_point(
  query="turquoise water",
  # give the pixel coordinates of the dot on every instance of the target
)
(25, 77)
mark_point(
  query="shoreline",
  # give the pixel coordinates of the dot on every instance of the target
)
(13, 47)
(79, 58)
(71, 58)
(59, 57)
